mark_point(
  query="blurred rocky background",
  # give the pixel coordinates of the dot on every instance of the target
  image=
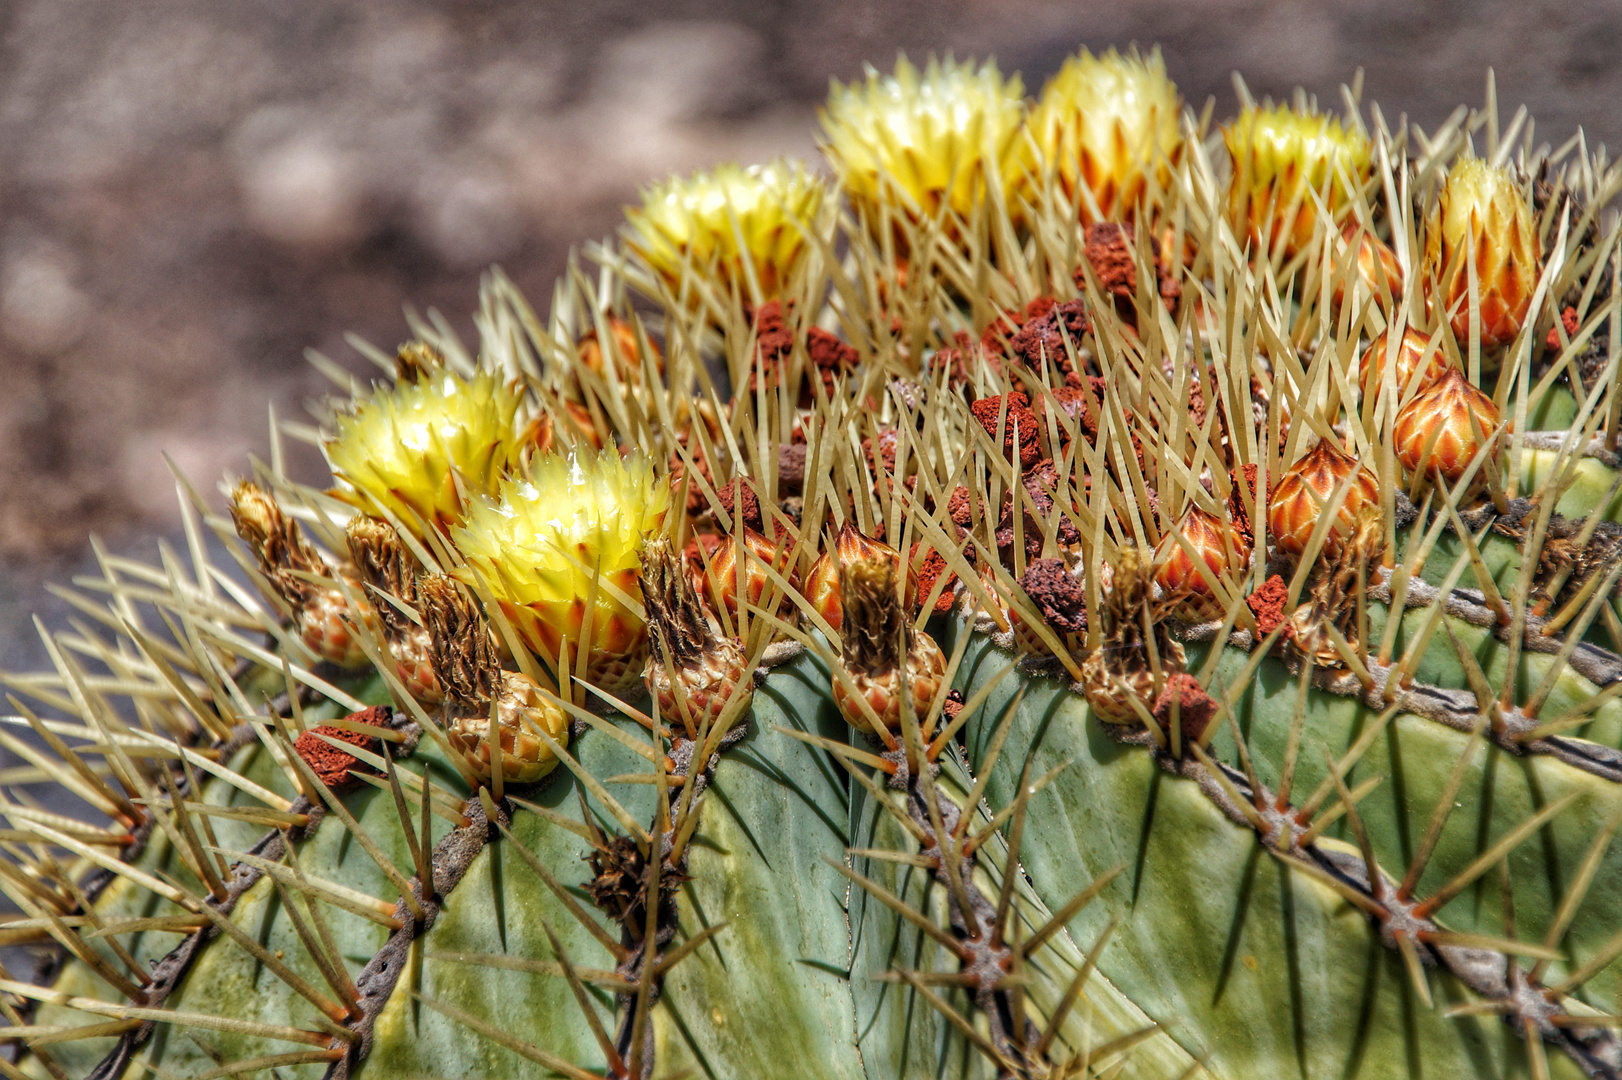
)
(192, 193)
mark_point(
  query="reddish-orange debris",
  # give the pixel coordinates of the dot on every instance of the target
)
(738, 499)
(774, 344)
(1267, 604)
(1568, 320)
(1020, 422)
(930, 567)
(960, 507)
(1058, 595)
(1244, 480)
(1109, 253)
(1195, 708)
(331, 765)
(1043, 340)
(1005, 326)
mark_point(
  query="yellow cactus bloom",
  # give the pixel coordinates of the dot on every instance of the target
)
(1482, 208)
(940, 137)
(729, 221)
(1102, 124)
(560, 547)
(1281, 158)
(407, 447)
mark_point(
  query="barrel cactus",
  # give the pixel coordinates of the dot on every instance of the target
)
(1071, 590)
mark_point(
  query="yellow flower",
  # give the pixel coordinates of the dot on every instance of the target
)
(1281, 158)
(1483, 209)
(942, 137)
(1102, 124)
(562, 545)
(405, 448)
(728, 221)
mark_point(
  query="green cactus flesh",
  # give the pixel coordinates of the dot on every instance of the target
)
(962, 749)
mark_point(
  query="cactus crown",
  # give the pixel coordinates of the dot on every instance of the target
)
(761, 665)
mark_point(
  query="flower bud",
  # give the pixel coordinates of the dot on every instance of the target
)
(418, 448)
(850, 545)
(1122, 669)
(693, 671)
(1103, 123)
(919, 142)
(559, 550)
(1224, 550)
(1441, 415)
(390, 574)
(892, 667)
(322, 614)
(1306, 488)
(1375, 265)
(475, 686)
(1283, 163)
(1411, 352)
(728, 224)
(1482, 213)
(717, 580)
(624, 345)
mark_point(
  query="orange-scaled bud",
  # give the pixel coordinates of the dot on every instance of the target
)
(625, 348)
(1283, 161)
(717, 582)
(1443, 412)
(1375, 265)
(1411, 354)
(1482, 214)
(1224, 550)
(1307, 486)
(822, 584)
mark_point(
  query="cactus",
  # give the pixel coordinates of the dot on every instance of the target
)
(1024, 608)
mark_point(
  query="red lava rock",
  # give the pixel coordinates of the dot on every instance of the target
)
(773, 338)
(1020, 422)
(1267, 604)
(1041, 340)
(1195, 708)
(1060, 597)
(1038, 507)
(331, 765)
(963, 358)
(930, 566)
(1246, 476)
(828, 353)
(791, 469)
(1109, 252)
(1568, 319)
(774, 345)
(960, 507)
(1003, 328)
(881, 458)
(744, 507)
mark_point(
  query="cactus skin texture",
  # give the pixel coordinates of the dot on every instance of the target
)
(1176, 652)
